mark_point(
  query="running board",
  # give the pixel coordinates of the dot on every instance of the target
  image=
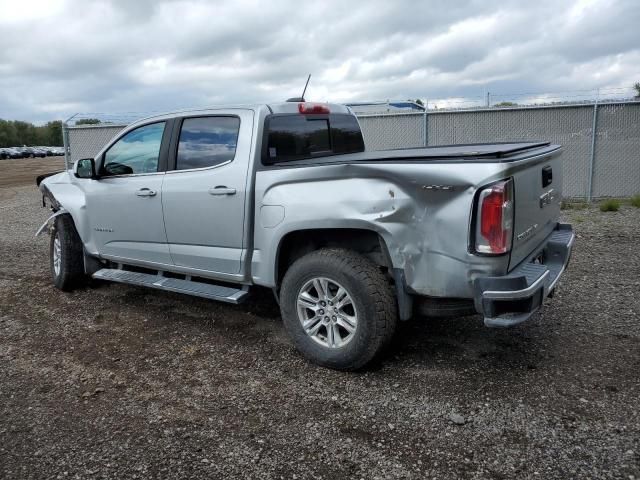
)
(188, 287)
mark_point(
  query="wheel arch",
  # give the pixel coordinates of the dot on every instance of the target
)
(296, 243)
(366, 241)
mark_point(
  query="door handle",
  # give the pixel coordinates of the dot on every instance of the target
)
(222, 190)
(145, 192)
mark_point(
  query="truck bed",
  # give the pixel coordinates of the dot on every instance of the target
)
(535, 168)
(507, 152)
(478, 152)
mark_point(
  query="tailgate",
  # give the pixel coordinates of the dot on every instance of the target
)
(538, 193)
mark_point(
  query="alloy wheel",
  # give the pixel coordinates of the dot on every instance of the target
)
(327, 312)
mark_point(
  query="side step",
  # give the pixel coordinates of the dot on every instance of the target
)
(198, 289)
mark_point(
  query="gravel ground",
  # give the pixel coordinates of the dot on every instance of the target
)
(120, 382)
(23, 171)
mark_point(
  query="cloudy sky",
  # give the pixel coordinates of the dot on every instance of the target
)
(61, 57)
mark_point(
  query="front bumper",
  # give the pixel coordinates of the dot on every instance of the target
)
(513, 298)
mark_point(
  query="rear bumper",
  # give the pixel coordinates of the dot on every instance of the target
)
(513, 298)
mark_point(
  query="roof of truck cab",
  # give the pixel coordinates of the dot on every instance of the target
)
(199, 111)
(292, 107)
(277, 108)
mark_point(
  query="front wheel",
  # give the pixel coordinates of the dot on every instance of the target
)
(66, 258)
(338, 308)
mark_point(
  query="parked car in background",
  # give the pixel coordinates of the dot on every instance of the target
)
(32, 152)
(48, 151)
(52, 151)
(27, 152)
(14, 152)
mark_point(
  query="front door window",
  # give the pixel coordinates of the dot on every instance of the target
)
(137, 152)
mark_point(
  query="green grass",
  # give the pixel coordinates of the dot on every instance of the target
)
(635, 201)
(575, 205)
(611, 205)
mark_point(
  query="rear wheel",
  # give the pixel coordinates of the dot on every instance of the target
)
(338, 308)
(66, 259)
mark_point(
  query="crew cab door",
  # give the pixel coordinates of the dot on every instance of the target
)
(124, 204)
(204, 190)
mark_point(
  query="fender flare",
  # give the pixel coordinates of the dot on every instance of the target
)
(61, 211)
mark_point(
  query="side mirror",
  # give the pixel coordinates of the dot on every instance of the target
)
(85, 168)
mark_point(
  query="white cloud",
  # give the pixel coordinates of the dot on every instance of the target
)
(18, 12)
(119, 55)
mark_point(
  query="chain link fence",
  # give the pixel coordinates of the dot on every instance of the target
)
(570, 127)
(606, 164)
(617, 151)
(382, 132)
(601, 141)
(85, 141)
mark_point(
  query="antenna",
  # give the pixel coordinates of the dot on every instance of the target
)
(301, 99)
(305, 87)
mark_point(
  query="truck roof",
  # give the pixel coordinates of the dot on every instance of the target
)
(277, 108)
(293, 107)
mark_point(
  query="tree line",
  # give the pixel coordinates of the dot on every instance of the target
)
(15, 133)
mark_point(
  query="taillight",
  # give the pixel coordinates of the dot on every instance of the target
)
(494, 227)
(313, 108)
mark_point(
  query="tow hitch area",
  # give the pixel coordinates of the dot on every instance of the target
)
(511, 299)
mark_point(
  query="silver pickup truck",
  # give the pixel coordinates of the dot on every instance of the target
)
(285, 196)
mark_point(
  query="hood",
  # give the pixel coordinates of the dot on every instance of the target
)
(53, 177)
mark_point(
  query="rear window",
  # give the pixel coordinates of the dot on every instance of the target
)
(298, 137)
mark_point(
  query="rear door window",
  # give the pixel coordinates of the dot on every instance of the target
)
(207, 142)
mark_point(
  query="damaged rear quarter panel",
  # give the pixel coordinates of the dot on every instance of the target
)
(426, 230)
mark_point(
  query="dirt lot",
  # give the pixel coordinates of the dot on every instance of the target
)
(23, 171)
(120, 382)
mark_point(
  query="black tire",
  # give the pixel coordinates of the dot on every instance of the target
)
(70, 273)
(372, 296)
